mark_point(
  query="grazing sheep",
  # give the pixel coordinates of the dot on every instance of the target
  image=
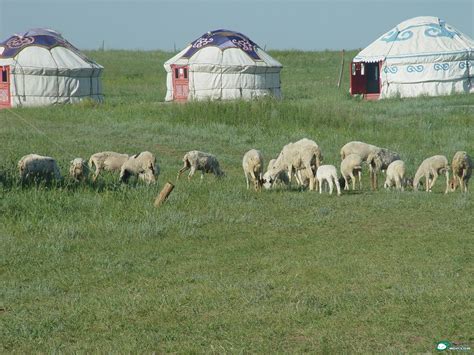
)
(204, 162)
(300, 159)
(430, 168)
(252, 164)
(78, 170)
(462, 171)
(396, 175)
(379, 161)
(360, 148)
(109, 161)
(328, 173)
(141, 165)
(34, 166)
(350, 165)
(281, 178)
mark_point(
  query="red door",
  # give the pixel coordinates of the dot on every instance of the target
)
(180, 82)
(5, 99)
(358, 78)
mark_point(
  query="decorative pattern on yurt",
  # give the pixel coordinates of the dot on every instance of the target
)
(222, 65)
(40, 67)
(421, 56)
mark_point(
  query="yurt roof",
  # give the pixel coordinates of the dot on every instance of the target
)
(35, 41)
(424, 36)
(224, 47)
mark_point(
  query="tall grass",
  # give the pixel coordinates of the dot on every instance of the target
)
(219, 268)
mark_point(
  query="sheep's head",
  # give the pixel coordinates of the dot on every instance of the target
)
(453, 184)
(267, 180)
(78, 168)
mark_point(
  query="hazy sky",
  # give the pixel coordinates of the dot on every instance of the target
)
(164, 24)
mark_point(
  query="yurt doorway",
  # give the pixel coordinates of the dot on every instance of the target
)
(180, 82)
(5, 100)
(365, 79)
(373, 78)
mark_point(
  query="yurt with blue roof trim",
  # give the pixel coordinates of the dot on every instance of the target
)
(222, 65)
(420, 56)
(40, 67)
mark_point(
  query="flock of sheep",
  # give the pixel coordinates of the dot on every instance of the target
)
(301, 160)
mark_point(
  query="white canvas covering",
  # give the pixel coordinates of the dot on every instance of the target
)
(44, 75)
(422, 56)
(217, 73)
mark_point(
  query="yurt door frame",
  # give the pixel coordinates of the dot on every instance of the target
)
(180, 82)
(365, 79)
(5, 97)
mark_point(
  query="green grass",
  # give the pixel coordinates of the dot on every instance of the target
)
(219, 268)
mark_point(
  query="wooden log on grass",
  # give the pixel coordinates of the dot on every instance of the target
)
(165, 192)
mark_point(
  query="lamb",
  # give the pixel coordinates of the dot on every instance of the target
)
(204, 162)
(396, 175)
(141, 165)
(34, 166)
(430, 168)
(360, 148)
(328, 173)
(78, 170)
(350, 165)
(379, 161)
(300, 159)
(462, 170)
(252, 164)
(281, 178)
(109, 161)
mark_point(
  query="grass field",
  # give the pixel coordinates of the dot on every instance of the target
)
(219, 268)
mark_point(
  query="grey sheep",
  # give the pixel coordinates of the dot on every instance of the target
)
(204, 162)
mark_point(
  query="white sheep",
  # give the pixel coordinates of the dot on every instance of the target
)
(109, 161)
(350, 165)
(360, 148)
(141, 165)
(252, 163)
(78, 170)
(396, 175)
(34, 166)
(461, 166)
(204, 162)
(430, 168)
(281, 178)
(328, 173)
(378, 161)
(300, 159)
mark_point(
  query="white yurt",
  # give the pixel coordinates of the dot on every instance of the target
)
(222, 65)
(39, 67)
(420, 56)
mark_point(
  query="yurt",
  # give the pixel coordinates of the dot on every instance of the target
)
(421, 56)
(39, 67)
(222, 65)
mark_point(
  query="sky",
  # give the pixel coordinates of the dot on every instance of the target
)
(280, 24)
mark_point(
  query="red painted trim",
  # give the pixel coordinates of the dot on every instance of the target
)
(5, 95)
(180, 75)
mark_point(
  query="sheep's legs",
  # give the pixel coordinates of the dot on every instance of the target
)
(447, 182)
(182, 170)
(360, 179)
(247, 180)
(338, 188)
(320, 182)
(435, 177)
(346, 184)
(353, 182)
(331, 185)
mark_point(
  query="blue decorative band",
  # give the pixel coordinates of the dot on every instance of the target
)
(391, 70)
(395, 35)
(462, 65)
(415, 68)
(440, 30)
(438, 67)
